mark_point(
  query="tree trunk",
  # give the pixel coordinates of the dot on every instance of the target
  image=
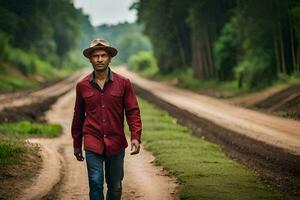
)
(196, 58)
(292, 43)
(210, 65)
(298, 58)
(276, 49)
(181, 48)
(282, 51)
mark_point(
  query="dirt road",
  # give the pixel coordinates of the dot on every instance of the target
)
(62, 177)
(268, 145)
(22, 98)
(279, 132)
(67, 178)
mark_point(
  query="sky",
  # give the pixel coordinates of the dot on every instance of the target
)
(107, 11)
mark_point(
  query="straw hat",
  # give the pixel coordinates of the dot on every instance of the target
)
(101, 44)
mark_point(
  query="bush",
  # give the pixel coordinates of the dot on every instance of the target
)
(26, 62)
(226, 50)
(144, 62)
(255, 72)
(130, 44)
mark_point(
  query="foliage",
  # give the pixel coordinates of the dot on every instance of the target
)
(130, 44)
(225, 37)
(169, 34)
(126, 37)
(39, 38)
(12, 82)
(48, 28)
(26, 62)
(144, 62)
(225, 50)
(253, 69)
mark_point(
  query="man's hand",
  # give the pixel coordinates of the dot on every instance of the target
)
(136, 145)
(78, 154)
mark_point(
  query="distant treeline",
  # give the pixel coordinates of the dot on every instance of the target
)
(126, 37)
(252, 41)
(35, 32)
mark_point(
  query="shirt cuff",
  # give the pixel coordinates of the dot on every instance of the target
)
(136, 136)
(77, 144)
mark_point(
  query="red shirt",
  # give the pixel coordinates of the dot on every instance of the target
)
(99, 114)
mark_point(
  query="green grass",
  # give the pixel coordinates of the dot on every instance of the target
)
(11, 150)
(29, 129)
(11, 79)
(203, 170)
(12, 83)
(12, 135)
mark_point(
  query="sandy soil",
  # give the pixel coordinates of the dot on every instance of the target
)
(62, 177)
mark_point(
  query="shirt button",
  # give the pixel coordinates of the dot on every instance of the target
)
(103, 120)
(102, 106)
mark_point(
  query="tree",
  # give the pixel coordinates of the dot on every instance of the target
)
(206, 19)
(165, 25)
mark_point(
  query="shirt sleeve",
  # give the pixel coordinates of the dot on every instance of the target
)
(132, 112)
(78, 119)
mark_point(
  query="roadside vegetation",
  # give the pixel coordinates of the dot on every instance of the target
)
(11, 150)
(37, 47)
(251, 43)
(145, 64)
(202, 169)
(13, 145)
(30, 129)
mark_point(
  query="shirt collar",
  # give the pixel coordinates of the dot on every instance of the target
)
(110, 76)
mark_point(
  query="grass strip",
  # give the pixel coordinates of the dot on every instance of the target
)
(11, 150)
(203, 170)
(30, 129)
(13, 147)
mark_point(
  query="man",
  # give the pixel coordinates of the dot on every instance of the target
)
(102, 98)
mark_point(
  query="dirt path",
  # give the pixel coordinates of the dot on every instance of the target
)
(252, 99)
(62, 177)
(28, 97)
(144, 181)
(279, 132)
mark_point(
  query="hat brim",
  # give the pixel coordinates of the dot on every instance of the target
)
(112, 51)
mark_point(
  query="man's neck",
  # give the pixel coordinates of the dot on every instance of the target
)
(101, 75)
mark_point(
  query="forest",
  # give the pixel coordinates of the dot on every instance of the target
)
(38, 39)
(252, 42)
(41, 40)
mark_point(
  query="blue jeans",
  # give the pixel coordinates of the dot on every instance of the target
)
(114, 173)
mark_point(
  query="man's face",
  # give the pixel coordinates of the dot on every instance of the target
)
(100, 60)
